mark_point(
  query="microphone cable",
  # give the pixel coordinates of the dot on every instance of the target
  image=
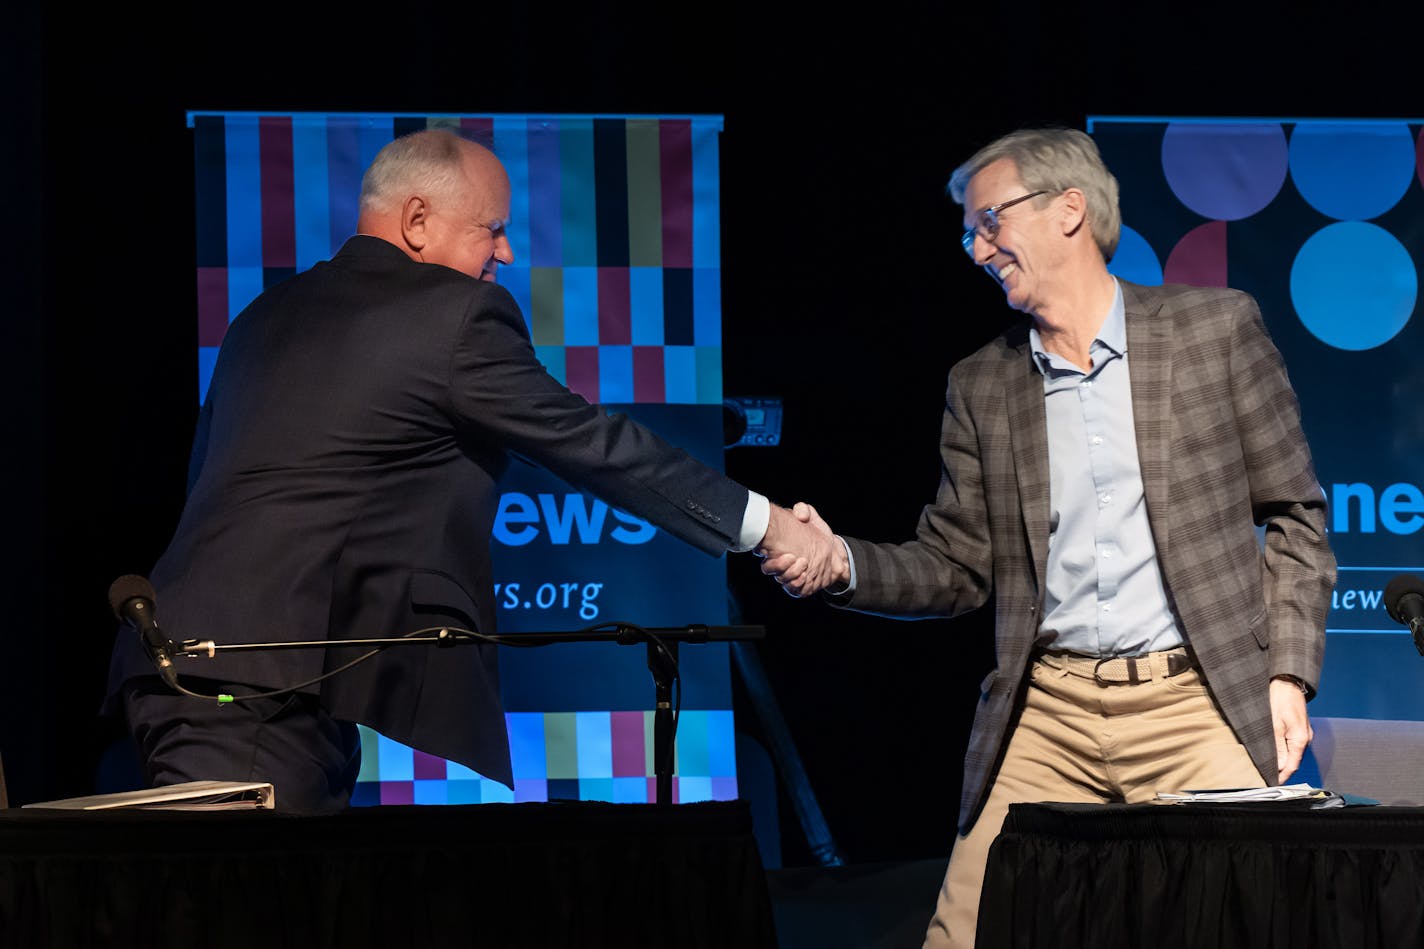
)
(456, 633)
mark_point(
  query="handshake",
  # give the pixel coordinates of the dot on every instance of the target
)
(801, 553)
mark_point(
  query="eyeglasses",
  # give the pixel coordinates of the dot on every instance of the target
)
(988, 225)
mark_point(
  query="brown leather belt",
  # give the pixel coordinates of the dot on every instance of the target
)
(1119, 670)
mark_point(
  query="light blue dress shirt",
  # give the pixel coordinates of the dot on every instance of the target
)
(1105, 595)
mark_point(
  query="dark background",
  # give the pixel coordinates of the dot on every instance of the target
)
(845, 292)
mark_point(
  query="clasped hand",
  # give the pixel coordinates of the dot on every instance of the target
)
(800, 551)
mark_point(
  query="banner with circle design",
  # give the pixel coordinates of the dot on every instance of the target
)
(1322, 221)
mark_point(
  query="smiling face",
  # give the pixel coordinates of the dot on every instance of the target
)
(1022, 255)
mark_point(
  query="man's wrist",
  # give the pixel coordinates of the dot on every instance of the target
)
(1296, 681)
(846, 583)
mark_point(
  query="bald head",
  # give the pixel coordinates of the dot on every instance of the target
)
(442, 199)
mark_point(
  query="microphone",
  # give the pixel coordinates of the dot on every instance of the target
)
(1404, 602)
(131, 598)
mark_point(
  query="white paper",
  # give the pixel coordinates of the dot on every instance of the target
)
(1285, 792)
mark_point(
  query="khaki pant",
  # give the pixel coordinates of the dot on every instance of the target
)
(1079, 741)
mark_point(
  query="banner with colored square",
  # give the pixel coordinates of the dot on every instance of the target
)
(614, 220)
(615, 226)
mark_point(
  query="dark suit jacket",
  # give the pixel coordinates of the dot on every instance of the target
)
(357, 421)
(1221, 451)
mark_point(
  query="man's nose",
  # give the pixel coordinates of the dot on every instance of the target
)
(503, 251)
(984, 249)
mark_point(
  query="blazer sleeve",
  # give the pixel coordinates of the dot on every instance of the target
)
(1286, 499)
(501, 394)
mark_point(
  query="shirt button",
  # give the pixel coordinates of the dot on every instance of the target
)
(1106, 499)
(1097, 439)
(1107, 555)
(1107, 607)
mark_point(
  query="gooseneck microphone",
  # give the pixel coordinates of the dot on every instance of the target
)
(131, 598)
(1404, 602)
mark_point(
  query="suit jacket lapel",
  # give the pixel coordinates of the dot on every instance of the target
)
(1149, 359)
(1028, 428)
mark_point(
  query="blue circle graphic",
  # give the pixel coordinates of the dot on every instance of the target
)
(1352, 171)
(1226, 171)
(1353, 285)
(1135, 260)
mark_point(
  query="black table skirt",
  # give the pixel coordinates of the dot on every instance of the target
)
(559, 874)
(1205, 875)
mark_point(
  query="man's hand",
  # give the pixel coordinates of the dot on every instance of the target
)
(1291, 724)
(801, 552)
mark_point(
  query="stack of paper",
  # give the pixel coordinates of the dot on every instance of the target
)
(1315, 797)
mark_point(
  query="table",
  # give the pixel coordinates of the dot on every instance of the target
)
(577, 874)
(1203, 875)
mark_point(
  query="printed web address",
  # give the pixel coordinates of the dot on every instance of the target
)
(1369, 598)
(564, 595)
(1358, 607)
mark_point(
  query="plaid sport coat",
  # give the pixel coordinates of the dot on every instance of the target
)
(1221, 450)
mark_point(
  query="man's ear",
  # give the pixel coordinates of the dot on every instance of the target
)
(415, 216)
(1074, 209)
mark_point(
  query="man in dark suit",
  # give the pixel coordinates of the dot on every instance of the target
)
(345, 469)
(1106, 466)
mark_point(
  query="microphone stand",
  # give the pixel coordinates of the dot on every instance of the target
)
(662, 646)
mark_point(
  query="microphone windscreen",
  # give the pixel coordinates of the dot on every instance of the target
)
(126, 588)
(1396, 590)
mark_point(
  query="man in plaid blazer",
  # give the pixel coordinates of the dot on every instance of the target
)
(1106, 466)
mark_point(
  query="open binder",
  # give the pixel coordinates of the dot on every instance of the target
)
(192, 796)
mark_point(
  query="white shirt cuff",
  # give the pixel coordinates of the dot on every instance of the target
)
(755, 520)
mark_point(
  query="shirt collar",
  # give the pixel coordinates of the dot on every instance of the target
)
(1112, 335)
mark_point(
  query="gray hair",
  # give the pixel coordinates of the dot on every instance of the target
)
(1054, 160)
(429, 160)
